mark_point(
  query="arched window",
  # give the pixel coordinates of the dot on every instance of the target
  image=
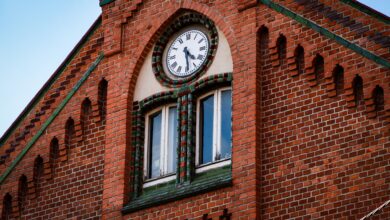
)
(318, 64)
(299, 59)
(338, 79)
(379, 98)
(7, 207)
(357, 85)
(22, 191)
(102, 98)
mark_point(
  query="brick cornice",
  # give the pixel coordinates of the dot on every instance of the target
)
(367, 10)
(287, 12)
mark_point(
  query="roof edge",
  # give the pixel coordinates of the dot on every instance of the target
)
(325, 32)
(51, 118)
(50, 81)
(367, 10)
(105, 2)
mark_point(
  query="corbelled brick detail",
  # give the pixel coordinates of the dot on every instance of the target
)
(301, 149)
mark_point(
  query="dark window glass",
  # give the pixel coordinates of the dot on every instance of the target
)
(206, 131)
(226, 125)
(155, 145)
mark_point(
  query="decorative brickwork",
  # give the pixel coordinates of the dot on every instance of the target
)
(278, 51)
(22, 193)
(310, 139)
(376, 103)
(6, 213)
(296, 62)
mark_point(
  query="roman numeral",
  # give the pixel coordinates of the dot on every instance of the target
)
(188, 36)
(172, 57)
(173, 66)
(174, 48)
(194, 64)
(180, 41)
(178, 69)
(200, 41)
(202, 48)
(195, 36)
(200, 57)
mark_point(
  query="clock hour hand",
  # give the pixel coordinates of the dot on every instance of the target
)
(192, 56)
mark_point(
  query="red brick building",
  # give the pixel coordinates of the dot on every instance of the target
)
(210, 109)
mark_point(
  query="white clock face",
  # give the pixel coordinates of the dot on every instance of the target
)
(187, 53)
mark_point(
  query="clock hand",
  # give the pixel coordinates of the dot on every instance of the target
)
(189, 53)
(186, 55)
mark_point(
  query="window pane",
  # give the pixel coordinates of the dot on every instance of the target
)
(226, 124)
(206, 132)
(155, 145)
(172, 140)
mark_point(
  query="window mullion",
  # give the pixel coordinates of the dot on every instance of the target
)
(162, 149)
(215, 126)
(146, 147)
(197, 134)
(218, 126)
(166, 139)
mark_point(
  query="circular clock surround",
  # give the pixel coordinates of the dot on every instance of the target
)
(191, 41)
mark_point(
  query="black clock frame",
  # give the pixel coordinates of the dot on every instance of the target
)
(178, 24)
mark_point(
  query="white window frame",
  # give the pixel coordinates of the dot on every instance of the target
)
(216, 132)
(164, 175)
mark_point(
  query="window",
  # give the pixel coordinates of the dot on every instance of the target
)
(214, 130)
(183, 148)
(161, 143)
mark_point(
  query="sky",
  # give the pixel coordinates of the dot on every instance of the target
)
(36, 36)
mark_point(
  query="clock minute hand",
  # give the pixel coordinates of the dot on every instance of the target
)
(186, 53)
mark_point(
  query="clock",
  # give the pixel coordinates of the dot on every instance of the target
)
(187, 53)
(185, 50)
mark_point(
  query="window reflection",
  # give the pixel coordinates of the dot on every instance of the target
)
(207, 121)
(226, 125)
(155, 145)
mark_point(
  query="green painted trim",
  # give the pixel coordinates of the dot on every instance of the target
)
(50, 81)
(367, 10)
(105, 2)
(326, 33)
(166, 192)
(51, 118)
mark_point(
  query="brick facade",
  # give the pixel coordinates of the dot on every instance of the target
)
(310, 117)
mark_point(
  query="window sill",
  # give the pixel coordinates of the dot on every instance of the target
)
(166, 192)
(159, 180)
(213, 165)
